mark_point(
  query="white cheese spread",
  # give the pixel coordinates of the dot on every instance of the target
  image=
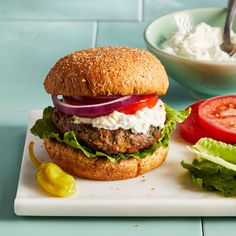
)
(139, 122)
(201, 42)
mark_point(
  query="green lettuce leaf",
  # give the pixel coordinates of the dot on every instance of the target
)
(172, 117)
(212, 177)
(216, 148)
(45, 129)
(214, 168)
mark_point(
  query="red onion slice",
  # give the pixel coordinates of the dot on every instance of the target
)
(94, 110)
(82, 100)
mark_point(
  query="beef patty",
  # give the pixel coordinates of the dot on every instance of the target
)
(107, 141)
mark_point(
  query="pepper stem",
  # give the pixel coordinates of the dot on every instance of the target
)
(33, 158)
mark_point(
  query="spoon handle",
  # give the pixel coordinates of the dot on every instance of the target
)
(229, 19)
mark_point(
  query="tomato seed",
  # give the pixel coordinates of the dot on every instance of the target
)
(222, 108)
(233, 124)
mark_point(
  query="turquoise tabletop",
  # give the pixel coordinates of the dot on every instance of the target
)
(33, 35)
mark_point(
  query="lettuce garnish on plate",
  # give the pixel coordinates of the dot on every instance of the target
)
(214, 168)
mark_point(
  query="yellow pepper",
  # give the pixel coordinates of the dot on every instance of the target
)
(51, 177)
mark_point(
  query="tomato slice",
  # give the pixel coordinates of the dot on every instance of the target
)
(218, 116)
(190, 129)
(145, 101)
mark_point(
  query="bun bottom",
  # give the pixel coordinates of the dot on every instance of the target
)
(77, 164)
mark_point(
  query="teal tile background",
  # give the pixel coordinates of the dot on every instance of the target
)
(123, 34)
(71, 9)
(156, 8)
(104, 226)
(219, 226)
(28, 51)
(13, 131)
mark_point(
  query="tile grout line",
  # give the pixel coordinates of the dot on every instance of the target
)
(141, 11)
(13, 110)
(95, 34)
(202, 226)
(68, 21)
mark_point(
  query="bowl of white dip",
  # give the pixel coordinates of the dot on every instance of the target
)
(188, 45)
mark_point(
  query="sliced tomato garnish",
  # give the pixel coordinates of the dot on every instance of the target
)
(218, 116)
(145, 101)
(190, 128)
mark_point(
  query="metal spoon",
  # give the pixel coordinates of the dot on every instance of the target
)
(227, 46)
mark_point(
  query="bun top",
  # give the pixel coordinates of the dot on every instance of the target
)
(107, 71)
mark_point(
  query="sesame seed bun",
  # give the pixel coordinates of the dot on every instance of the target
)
(76, 163)
(107, 71)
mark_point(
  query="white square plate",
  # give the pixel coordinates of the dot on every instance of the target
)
(165, 191)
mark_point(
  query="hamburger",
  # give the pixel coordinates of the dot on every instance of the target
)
(107, 122)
